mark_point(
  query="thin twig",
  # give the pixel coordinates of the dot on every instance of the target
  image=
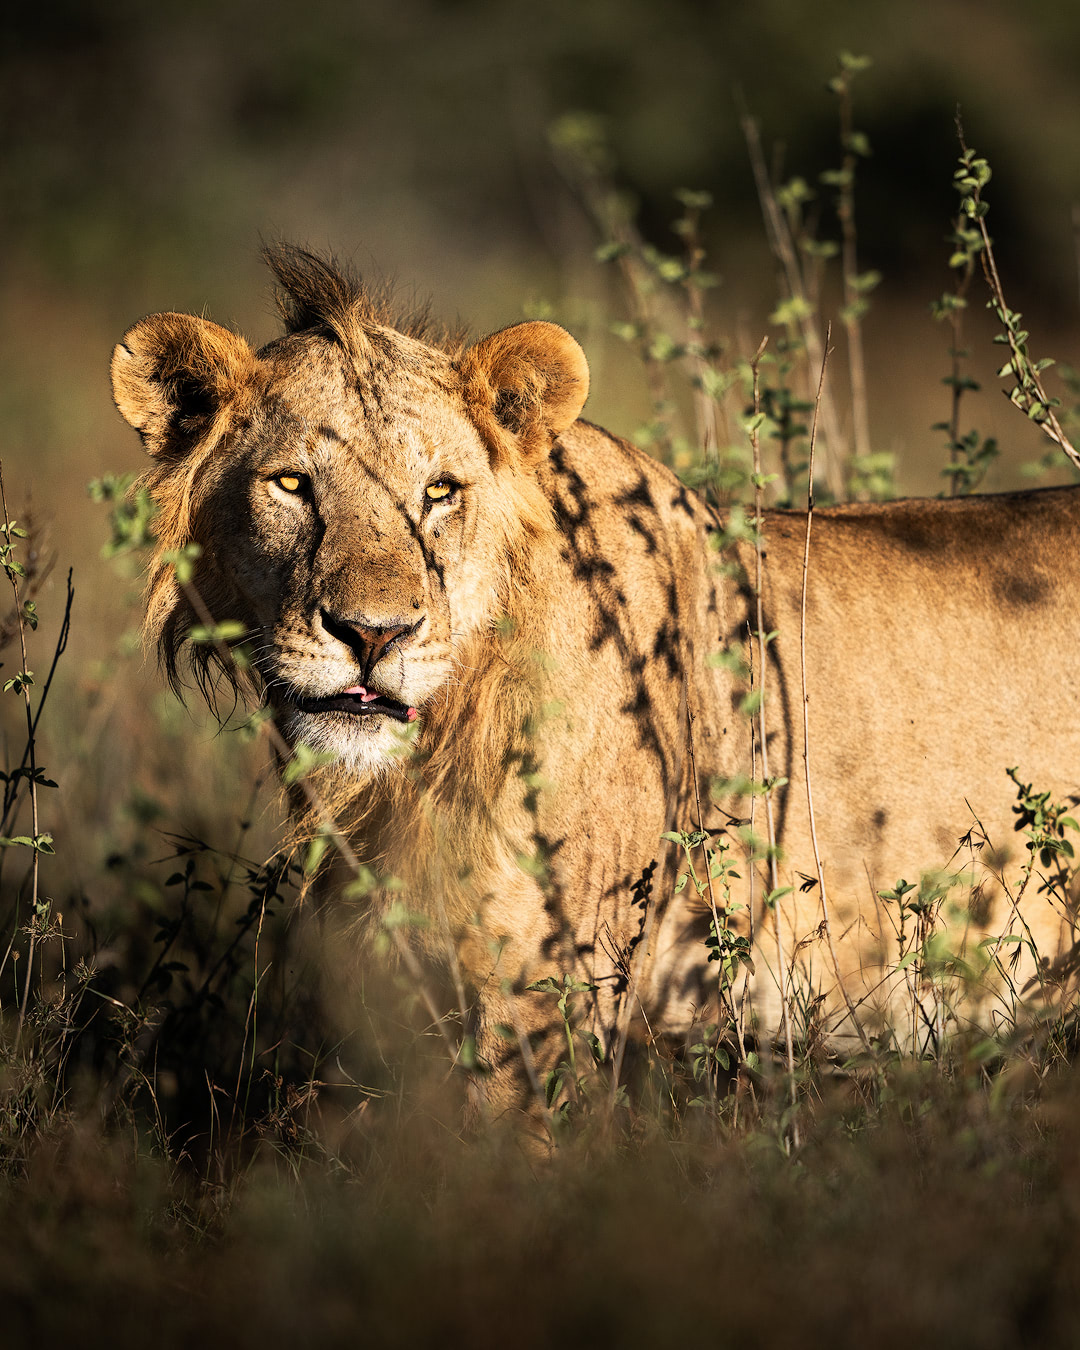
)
(709, 880)
(622, 1035)
(755, 444)
(708, 410)
(11, 794)
(35, 831)
(806, 707)
(845, 209)
(784, 250)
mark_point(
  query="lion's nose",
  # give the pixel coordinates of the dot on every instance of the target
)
(369, 642)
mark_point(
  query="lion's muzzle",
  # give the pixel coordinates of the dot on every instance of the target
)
(368, 642)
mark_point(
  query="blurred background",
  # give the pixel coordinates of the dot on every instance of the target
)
(148, 150)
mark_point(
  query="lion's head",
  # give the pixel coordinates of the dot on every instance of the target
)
(364, 499)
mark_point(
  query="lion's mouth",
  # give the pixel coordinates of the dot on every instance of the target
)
(358, 702)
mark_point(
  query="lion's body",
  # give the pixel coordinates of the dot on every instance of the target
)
(433, 531)
(940, 653)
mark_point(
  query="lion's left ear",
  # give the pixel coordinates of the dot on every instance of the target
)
(177, 377)
(524, 386)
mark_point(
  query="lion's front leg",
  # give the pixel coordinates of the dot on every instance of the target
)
(518, 1044)
(539, 1055)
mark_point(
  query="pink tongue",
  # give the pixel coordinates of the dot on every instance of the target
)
(366, 697)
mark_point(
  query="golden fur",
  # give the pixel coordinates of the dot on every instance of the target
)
(551, 616)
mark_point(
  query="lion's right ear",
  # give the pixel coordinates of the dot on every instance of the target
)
(175, 378)
(524, 385)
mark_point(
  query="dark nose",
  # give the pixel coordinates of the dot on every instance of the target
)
(368, 642)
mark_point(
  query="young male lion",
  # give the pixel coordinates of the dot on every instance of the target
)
(502, 623)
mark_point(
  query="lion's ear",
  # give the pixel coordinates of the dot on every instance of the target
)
(174, 376)
(527, 383)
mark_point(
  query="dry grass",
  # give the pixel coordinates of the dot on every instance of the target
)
(947, 1222)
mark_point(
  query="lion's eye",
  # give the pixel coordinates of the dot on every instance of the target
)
(290, 482)
(438, 492)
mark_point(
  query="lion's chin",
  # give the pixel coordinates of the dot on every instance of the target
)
(362, 744)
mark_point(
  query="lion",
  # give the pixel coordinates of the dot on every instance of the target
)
(527, 648)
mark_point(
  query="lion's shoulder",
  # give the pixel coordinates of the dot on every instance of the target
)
(601, 483)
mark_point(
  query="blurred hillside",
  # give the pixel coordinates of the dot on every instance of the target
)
(149, 149)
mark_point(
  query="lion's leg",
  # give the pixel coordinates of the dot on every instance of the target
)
(517, 1047)
(537, 1064)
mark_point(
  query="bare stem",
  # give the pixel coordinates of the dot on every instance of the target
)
(708, 411)
(34, 827)
(806, 711)
(774, 879)
(783, 247)
(853, 302)
(709, 882)
(956, 352)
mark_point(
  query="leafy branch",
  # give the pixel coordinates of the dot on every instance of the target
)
(1027, 393)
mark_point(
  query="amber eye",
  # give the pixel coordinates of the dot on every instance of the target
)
(438, 492)
(290, 482)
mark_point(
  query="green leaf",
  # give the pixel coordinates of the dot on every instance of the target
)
(532, 864)
(228, 631)
(397, 916)
(819, 248)
(315, 853)
(664, 348)
(865, 281)
(671, 269)
(39, 843)
(304, 760)
(545, 986)
(852, 64)
(791, 312)
(859, 144)
(183, 561)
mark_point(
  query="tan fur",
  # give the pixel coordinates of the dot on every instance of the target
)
(567, 600)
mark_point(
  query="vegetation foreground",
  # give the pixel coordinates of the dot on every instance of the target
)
(212, 1123)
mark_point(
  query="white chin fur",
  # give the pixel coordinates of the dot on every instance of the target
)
(363, 746)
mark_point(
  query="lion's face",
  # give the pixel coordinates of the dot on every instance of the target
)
(361, 524)
(359, 498)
